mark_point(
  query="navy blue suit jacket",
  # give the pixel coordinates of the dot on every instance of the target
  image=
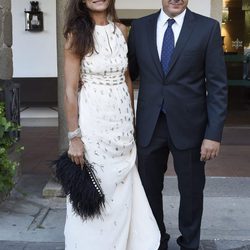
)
(194, 90)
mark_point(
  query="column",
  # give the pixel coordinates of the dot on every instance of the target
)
(6, 63)
(63, 142)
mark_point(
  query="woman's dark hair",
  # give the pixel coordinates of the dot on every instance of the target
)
(79, 26)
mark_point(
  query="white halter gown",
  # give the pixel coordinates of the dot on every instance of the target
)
(106, 122)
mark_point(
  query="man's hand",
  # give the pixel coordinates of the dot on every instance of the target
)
(209, 149)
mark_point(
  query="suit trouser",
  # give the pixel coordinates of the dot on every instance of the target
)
(152, 164)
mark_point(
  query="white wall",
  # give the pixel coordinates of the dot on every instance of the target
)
(138, 4)
(34, 53)
(201, 6)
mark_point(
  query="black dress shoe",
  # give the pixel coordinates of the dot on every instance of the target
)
(164, 241)
(163, 245)
(163, 248)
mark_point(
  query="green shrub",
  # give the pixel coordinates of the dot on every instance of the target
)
(7, 166)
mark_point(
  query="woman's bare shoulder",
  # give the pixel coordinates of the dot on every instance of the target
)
(68, 41)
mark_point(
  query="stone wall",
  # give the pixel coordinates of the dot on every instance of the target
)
(6, 63)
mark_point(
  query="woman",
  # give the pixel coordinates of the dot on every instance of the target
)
(100, 124)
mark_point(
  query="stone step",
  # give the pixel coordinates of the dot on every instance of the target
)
(229, 187)
(39, 117)
(52, 189)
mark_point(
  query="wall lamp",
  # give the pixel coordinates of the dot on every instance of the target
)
(34, 17)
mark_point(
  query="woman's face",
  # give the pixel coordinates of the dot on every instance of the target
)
(97, 5)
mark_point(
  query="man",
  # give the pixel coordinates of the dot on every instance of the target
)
(181, 107)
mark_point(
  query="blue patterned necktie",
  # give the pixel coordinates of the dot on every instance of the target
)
(167, 46)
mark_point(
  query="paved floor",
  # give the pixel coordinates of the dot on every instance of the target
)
(27, 221)
(41, 146)
(30, 222)
(205, 245)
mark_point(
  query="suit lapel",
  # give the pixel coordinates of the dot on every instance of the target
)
(152, 29)
(185, 33)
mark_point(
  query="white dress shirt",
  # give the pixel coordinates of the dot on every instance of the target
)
(162, 25)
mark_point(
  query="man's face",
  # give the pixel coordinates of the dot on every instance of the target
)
(174, 7)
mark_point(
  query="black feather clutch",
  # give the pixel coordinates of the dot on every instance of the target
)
(81, 185)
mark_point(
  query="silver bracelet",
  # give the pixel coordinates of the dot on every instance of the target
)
(74, 134)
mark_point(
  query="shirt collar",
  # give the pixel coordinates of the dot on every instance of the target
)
(163, 17)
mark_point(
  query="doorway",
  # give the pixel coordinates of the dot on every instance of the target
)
(236, 44)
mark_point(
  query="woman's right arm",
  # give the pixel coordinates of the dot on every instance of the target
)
(72, 76)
